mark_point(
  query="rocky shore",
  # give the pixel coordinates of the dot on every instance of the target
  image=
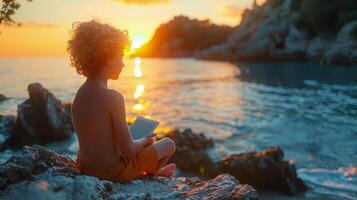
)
(37, 171)
(263, 170)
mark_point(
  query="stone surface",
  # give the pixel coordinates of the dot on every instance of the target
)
(38, 173)
(6, 124)
(41, 119)
(344, 49)
(3, 97)
(264, 170)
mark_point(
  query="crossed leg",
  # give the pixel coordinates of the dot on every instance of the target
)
(165, 148)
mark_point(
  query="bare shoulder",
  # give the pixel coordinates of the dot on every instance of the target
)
(114, 98)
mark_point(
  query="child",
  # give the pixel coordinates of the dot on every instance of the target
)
(106, 149)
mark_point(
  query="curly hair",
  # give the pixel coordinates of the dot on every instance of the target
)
(93, 44)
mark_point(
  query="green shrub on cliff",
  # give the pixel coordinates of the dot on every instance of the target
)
(348, 16)
(326, 16)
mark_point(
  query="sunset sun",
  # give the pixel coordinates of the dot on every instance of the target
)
(137, 43)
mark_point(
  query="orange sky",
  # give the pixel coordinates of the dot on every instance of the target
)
(46, 22)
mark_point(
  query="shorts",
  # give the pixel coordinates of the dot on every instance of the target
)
(125, 169)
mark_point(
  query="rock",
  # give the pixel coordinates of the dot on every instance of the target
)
(295, 45)
(190, 152)
(68, 109)
(316, 48)
(40, 119)
(7, 122)
(264, 170)
(38, 173)
(3, 97)
(344, 49)
(261, 35)
(33, 161)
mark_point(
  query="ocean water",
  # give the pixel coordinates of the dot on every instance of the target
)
(308, 110)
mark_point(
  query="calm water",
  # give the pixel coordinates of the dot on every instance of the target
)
(307, 110)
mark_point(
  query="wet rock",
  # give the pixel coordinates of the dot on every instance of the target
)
(67, 110)
(3, 97)
(7, 122)
(264, 170)
(41, 119)
(191, 150)
(38, 173)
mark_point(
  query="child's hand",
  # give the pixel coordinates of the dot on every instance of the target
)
(149, 139)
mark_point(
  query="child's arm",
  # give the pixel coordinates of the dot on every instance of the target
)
(127, 145)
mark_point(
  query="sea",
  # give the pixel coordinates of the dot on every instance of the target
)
(308, 110)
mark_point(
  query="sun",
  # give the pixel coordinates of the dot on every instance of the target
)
(137, 43)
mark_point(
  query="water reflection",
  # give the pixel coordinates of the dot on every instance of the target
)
(139, 91)
(137, 70)
(138, 107)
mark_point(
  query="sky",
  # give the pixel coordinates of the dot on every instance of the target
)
(46, 23)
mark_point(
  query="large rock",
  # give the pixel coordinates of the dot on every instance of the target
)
(264, 170)
(7, 122)
(3, 97)
(38, 173)
(40, 119)
(191, 152)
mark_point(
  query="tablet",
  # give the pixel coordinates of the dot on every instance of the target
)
(142, 127)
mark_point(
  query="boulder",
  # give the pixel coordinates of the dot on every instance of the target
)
(41, 119)
(3, 97)
(263, 170)
(38, 173)
(7, 122)
(191, 152)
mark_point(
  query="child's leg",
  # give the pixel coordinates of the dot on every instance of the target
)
(165, 148)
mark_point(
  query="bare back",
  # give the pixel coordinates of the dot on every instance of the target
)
(93, 126)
